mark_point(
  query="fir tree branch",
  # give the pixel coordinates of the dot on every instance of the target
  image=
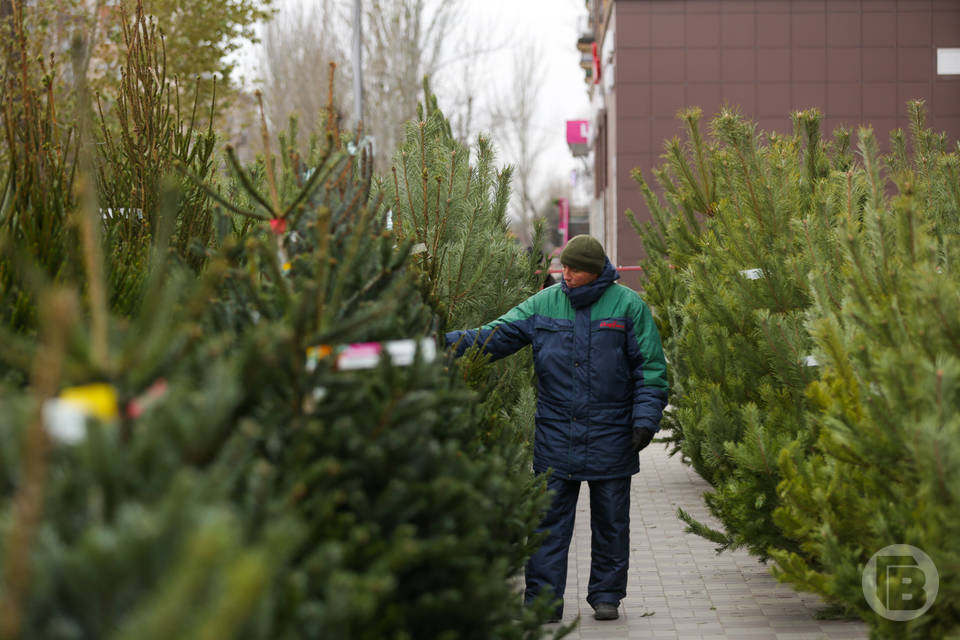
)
(698, 528)
(323, 264)
(312, 183)
(269, 161)
(245, 180)
(216, 196)
(406, 184)
(376, 281)
(353, 253)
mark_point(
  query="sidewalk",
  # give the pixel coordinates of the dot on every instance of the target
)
(678, 586)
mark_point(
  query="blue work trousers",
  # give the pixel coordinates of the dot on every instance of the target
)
(609, 542)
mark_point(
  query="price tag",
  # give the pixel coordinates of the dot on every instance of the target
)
(366, 355)
(65, 416)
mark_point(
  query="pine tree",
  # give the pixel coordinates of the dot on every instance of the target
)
(235, 478)
(128, 166)
(408, 526)
(885, 468)
(110, 527)
(141, 137)
(738, 305)
(455, 211)
(671, 240)
(38, 190)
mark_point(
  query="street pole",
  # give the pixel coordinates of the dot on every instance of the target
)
(357, 61)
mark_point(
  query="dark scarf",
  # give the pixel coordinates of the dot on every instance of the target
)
(584, 296)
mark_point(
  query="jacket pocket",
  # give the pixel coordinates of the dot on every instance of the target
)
(610, 363)
(548, 332)
(553, 358)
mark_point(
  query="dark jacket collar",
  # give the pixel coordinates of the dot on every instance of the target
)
(586, 295)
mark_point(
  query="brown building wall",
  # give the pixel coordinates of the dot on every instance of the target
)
(858, 61)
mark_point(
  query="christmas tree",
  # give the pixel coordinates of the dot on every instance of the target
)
(451, 201)
(886, 465)
(671, 240)
(811, 305)
(731, 266)
(251, 433)
(407, 526)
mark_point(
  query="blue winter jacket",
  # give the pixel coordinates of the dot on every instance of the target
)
(600, 373)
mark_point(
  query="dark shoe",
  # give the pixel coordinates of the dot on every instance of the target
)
(605, 611)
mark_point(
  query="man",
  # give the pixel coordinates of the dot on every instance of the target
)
(602, 387)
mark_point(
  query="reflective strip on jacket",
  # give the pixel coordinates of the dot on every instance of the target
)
(600, 373)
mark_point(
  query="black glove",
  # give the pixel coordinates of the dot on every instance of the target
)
(641, 438)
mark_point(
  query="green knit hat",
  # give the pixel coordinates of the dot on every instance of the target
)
(584, 253)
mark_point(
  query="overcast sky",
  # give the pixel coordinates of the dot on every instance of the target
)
(552, 26)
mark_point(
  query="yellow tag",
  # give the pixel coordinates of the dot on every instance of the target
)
(99, 400)
(287, 266)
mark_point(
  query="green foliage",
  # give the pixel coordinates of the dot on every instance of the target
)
(203, 35)
(815, 398)
(128, 506)
(202, 38)
(887, 462)
(457, 212)
(232, 485)
(138, 146)
(48, 166)
(730, 264)
(37, 184)
(471, 270)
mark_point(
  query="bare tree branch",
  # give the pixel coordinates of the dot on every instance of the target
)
(403, 41)
(515, 121)
(298, 45)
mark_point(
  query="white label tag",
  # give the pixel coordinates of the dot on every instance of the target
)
(65, 421)
(366, 355)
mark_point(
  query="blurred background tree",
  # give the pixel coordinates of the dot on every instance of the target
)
(201, 37)
(183, 453)
(403, 41)
(515, 121)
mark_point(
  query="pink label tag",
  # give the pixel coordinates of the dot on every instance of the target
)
(361, 355)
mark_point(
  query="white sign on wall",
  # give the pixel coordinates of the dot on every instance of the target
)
(948, 62)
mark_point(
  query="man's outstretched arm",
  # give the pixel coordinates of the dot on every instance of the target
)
(507, 334)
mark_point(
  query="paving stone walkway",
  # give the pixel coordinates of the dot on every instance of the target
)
(679, 587)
